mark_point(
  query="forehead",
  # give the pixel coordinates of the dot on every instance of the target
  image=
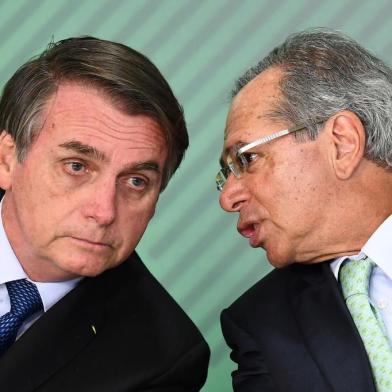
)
(86, 114)
(249, 115)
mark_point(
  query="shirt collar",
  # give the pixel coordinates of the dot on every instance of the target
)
(10, 269)
(378, 248)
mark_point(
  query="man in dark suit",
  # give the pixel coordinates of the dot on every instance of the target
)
(306, 164)
(91, 134)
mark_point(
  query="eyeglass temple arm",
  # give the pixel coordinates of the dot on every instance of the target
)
(268, 138)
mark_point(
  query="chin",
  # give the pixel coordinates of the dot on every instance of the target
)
(86, 268)
(277, 259)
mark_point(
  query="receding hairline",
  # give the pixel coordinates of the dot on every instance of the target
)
(117, 104)
(273, 75)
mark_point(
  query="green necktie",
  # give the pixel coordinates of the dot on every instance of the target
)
(354, 277)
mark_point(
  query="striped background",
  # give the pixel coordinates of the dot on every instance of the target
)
(201, 47)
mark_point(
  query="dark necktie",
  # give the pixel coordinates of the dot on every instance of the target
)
(25, 301)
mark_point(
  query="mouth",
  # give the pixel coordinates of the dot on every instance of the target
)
(251, 231)
(84, 242)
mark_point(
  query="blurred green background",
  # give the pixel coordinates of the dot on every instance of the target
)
(201, 47)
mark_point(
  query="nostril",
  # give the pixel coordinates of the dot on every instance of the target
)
(237, 205)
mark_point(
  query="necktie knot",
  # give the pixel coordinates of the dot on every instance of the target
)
(354, 277)
(24, 298)
(25, 301)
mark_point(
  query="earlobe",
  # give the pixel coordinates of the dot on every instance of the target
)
(349, 139)
(7, 159)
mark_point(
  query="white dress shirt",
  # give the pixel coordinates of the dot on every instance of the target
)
(10, 269)
(379, 249)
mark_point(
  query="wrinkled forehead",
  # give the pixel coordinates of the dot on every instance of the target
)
(250, 114)
(86, 121)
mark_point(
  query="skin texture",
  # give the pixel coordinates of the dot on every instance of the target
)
(81, 200)
(299, 201)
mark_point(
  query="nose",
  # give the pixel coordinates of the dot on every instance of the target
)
(233, 194)
(100, 204)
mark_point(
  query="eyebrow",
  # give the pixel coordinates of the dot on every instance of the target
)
(227, 150)
(94, 153)
(149, 165)
(84, 149)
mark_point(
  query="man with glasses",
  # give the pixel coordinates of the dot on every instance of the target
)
(306, 164)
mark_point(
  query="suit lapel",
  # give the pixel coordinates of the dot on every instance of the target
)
(328, 329)
(54, 339)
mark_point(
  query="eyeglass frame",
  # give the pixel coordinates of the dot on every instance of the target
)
(223, 173)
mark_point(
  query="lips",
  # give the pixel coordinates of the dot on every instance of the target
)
(250, 230)
(88, 242)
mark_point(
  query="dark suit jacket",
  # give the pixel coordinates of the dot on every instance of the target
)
(120, 331)
(292, 332)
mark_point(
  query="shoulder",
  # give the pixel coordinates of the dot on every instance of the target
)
(132, 286)
(272, 292)
(125, 315)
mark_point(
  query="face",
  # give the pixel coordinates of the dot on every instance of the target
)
(81, 200)
(279, 196)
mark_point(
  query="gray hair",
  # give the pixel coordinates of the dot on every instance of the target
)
(325, 72)
(128, 78)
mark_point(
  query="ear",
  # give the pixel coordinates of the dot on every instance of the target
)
(7, 159)
(348, 142)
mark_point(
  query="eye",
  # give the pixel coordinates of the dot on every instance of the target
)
(250, 157)
(75, 168)
(247, 158)
(138, 183)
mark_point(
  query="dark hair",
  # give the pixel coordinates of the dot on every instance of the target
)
(325, 72)
(125, 76)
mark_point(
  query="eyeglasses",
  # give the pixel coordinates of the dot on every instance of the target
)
(238, 160)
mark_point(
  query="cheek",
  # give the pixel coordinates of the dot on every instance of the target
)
(288, 191)
(41, 209)
(303, 198)
(132, 222)
(41, 219)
